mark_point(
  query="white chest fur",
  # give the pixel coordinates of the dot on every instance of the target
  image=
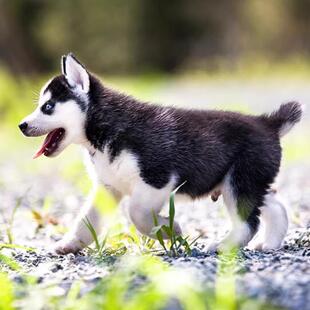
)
(122, 174)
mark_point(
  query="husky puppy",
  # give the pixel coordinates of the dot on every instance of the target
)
(145, 151)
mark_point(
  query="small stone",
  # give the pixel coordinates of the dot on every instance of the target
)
(298, 260)
(195, 252)
(70, 256)
(56, 268)
(242, 269)
(18, 279)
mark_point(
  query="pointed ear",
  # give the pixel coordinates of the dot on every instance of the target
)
(75, 73)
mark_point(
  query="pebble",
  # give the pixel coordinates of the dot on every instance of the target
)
(56, 268)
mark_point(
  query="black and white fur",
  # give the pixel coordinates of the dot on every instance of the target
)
(145, 151)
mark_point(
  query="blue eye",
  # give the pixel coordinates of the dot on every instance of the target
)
(47, 108)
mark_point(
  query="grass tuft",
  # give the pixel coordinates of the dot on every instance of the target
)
(177, 243)
(102, 250)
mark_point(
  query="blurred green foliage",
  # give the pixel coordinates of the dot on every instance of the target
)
(6, 293)
(133, 283)
(143, 35)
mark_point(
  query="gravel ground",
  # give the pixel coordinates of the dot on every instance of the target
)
(280, 277)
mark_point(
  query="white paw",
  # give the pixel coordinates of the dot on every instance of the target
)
(256, 246)
(213, 247)
(264, 246)
(222, 247)
(267, 247)
(66, 246)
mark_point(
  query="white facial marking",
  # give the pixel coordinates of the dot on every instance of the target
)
(66, 115)
(32, 118)
(43, 89)
(44, 97)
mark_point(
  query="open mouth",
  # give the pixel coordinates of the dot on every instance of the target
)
(51, 142)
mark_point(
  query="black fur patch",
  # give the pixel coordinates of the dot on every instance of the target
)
(63, 65)
(62, 92)
(288, 114)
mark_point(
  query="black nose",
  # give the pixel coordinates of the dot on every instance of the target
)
(23, 126)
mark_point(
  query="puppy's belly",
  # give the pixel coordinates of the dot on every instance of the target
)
(123, 174)
(214, 194)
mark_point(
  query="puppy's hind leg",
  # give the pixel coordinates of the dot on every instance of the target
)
(243, 210)
(145, 203)
(275, 220)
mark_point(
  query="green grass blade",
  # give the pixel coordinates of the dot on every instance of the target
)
(160, 238)
(93, 232)
(168, 231)
(155, 219)
(171, 210)
(192, 242)
(9, 262)
(172, 205)
(103, 243)
(156, 229)
(15, 246)
(159, 234)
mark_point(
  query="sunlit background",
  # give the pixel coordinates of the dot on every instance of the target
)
(247, 56)
(241, 55)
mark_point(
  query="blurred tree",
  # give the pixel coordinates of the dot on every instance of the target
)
(122, 36)
(99, 31)
(219, 31)
(300, 25)
(17, 47)
(164, 34)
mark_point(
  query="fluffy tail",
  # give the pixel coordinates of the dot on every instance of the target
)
(284, 118)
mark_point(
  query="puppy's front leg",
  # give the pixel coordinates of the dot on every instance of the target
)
(79, 235)
(145, 203)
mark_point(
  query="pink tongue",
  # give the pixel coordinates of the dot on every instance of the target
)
(45, 144)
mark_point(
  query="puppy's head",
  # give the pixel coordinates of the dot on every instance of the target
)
(61, 110)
